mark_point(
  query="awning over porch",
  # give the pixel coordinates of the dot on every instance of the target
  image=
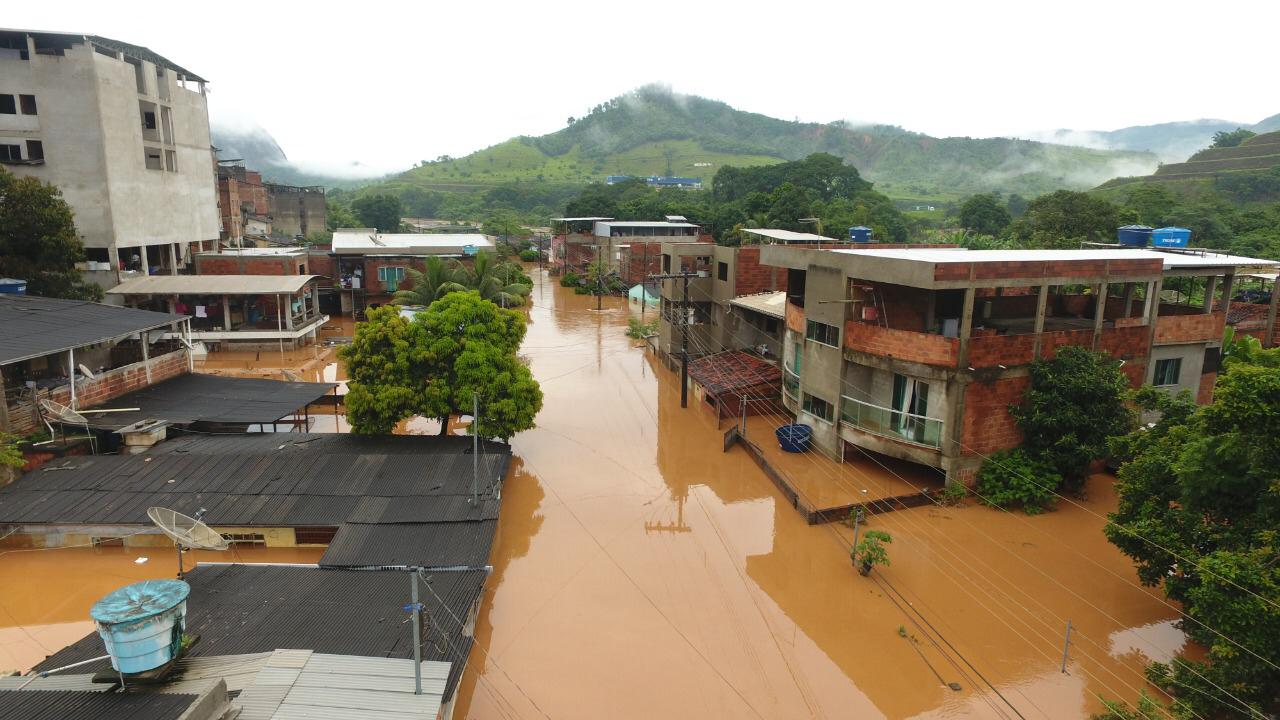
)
(734, 372)
(213, 285)
(194, 397)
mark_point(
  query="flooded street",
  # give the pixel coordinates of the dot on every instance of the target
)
(641, 572)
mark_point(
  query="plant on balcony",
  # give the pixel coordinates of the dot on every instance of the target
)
(870, 551)
(1017, 478)
(1075, 404)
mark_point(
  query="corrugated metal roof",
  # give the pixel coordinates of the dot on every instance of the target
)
(83, 683)
(365, 241)
(790, 236)
(238, 609)
(194, 397)
(37, 326)
(73, 705)
(266, 480)
(448, 544)
(212, 285)
(772, 304)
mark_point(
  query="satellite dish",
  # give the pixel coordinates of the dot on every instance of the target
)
(86, 372)
(62, 413)
(186, 531)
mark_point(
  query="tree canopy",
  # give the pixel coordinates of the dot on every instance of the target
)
(1199, 512)
(1064, 218)
(378, 210)
(460, 347)
(1233, 138)
(984, 214)
(38, 240)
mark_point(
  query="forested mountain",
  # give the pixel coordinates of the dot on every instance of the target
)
(653, 131)
(1170, 141)
(261, 152)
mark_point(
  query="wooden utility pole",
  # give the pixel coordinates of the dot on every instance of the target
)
(684, 330)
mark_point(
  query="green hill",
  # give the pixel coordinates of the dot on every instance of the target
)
(654, 131)
(1247, 175)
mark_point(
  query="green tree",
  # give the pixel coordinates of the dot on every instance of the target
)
(1063, 218)
(504, 224)
(1075, 404)
(461, 346)
(495, 280)
(1233, 138)
(338, 216)
(984, 214)
(378, 210)
(1198, 514)
(871, 551)
(38, 241)
(440, 278)
(1151, 203)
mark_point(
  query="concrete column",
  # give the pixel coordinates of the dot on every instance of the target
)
(1128, 298)
(146, 354)
(173, 258)
(1042, 305)
(113, 257)
(288, 310)
(1210, 287)
(1099, 312)
(1268, 338)
(1152, 309)
(5, 426)
(226, 314)
(966, 327)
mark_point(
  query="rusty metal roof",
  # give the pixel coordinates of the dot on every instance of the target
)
(734, 371)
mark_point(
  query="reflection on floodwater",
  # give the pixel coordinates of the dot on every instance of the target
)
(641, 572)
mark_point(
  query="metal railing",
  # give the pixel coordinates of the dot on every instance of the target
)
(791, 383)
(890, 423)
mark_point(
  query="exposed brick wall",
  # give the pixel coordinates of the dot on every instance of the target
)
(795, 318)
(1051, 341)
(1007, 350)
(1030, 269)
(751, 277)
(1190, 328)
(106, 386)
(988, 426)
(900, 344)
(1126, 343)
(642, 260)
(319, 263)
(251, 265)
(1204, 395)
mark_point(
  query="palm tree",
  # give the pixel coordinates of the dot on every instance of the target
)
(439, 279)
(497, 281)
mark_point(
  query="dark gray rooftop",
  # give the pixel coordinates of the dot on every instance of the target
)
(238, 609)
(435, 545)
(267, 480)
(37, 326)
(193, 398)
(87, 705)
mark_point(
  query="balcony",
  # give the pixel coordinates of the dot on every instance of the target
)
(892, 424)
(791, 383)
(926, 348)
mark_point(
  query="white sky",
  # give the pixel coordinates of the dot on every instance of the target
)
(388, 84)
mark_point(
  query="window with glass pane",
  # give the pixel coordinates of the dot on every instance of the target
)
(1167, 372)
(822, 333)
(391, 277)
(818, 407)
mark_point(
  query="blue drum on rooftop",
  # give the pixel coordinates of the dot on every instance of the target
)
(13, 286)
(1171, 237)
(142, 624)
(1134, 235)
(860, 234)
(794, 438)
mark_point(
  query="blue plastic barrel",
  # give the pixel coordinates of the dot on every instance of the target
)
(860, 234)
(1172, 237)
(1134, 235)
(142, 624)
(795, 437)
(13, 286)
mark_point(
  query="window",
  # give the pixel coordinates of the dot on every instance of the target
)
(818, 407)
(151, 158)
(391, 276)
(666, 263)
(148, 120)
(28, 103)
(35, 150)
(822, 333)
(1167, 372)
(246, 538)
(314, 535)
(7, 106)
(771, 325)
(722, 271)
(171, 160)
(10, 152)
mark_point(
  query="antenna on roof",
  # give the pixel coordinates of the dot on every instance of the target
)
(186, 531)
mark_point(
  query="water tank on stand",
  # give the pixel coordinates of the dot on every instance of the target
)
(1171, 237)
(142, 624)
(860, 234)
(1134, 235)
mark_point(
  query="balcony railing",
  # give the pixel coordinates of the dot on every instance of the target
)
(791, 383)
(894, 424)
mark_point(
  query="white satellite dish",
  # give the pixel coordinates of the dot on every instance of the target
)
(86, 372)
(186, 532)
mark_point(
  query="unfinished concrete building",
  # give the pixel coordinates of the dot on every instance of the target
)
(296, 212)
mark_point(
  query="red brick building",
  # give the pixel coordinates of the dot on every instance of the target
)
(918, 353)
(241, 197)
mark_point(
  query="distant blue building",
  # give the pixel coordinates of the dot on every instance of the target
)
(684, 183)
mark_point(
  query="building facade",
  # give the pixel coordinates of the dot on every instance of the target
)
(296, 212)
(918, 353)
(124, 134)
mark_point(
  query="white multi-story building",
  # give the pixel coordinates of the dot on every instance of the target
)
(124, 133)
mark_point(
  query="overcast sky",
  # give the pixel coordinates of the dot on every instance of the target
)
(388, 84)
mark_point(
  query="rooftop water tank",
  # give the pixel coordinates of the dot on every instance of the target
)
(142, 624)
(13, 286)
(860, 234)
(1171, 237)
(1134, 235)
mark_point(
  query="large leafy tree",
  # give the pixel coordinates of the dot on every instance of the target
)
(461, 348)
(1199, 514)
(378, 210)
(1064, 218)
(38, 241)
(1233, 138)
(984, 214)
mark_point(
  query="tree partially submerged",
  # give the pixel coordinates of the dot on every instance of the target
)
(38, 240)
(461, 349)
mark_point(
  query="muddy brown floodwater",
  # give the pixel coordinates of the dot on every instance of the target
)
(641, 572)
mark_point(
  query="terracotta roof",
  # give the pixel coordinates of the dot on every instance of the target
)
(733, 371)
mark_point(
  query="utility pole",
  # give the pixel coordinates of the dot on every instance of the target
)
(857, 522)
(475, 448)
(599, 280)
(415, 608)
(684, 330)
(1066, 644)
(644, 286)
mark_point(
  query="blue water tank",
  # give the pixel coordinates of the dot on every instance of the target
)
(1171, 237)
(1134, 235)
(794, 438)
(13, 286)
(860, 234)
(142, 624)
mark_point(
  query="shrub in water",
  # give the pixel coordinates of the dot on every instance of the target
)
(1014, 478)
